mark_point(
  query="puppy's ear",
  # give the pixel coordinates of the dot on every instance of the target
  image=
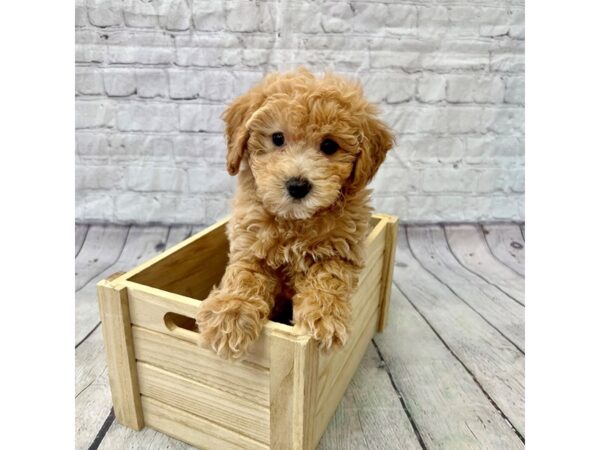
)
(235, 116)
(377, 140)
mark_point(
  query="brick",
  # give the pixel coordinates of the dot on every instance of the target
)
(433, 21)
(515, 90)
(88, 81)
(208, 15)
(154, 148)
(430, 149)
(504, 62)
(90, 46)
(105, 13)
(302, 17)
(393, 179)
(94, 114)
(495, 22)
(368, 17)
(210, 85)
(98, 177)
(504, 120)
(444, 180)
(200, 148)
(91, 145)
(175, 15)
(151, 83)
(336, 17)
(147, 117)
(195, 117)
(517, 24)
(469, 89)
(119, 82)
(490, 147)
(213, 180)
(390, 88)
(156, 179)
(80, 13)
(140, 14)
(463, 119)
(401, 19)
(137, 207)
(94, 206)
(251, 16)
(431, 88)
(142, 48)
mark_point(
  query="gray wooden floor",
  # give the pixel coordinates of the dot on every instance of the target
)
(448, 372)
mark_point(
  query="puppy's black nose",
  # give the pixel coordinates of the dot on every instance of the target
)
(298, 187)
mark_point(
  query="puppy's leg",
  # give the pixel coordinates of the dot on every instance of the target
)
(233, 315)
(322, 301)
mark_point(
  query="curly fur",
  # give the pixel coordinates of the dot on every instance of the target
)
(309, 250)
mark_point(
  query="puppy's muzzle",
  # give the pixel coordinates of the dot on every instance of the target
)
(298, 187)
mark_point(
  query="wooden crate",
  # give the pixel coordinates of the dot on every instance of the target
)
(281, 396)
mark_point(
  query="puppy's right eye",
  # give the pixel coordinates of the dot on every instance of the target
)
(278, 139)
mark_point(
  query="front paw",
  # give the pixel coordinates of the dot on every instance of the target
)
(228, 325)
(330, 329)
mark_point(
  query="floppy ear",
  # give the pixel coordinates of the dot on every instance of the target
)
(235, 116)
(377, 140)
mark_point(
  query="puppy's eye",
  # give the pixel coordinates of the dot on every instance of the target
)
(329, 146)
(278, 139)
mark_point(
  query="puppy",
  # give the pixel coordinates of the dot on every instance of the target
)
(304, 149)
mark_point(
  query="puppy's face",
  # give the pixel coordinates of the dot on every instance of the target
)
(306, 141)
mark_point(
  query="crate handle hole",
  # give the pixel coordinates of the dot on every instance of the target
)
(175, 322)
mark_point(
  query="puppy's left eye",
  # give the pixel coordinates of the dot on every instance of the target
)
(278, 139)
(329, 146)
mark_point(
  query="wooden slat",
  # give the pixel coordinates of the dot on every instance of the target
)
(149, 307)
(190, 268)
(507, 245)
(120, 359)
(330, 399)
(141, 243)
(102, 248)
(244, 380)
(292, 392)
(218, 406)
(389, 254)
(80, 233)
(491, 358)
(370, 414)
(193, 429)
(448, 406)
(469, 246)
(428, 245)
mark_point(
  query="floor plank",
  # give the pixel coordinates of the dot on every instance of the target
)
(80, 233)
(507, 245)
(492, 359)
(178, 233)
(370, 415)
(142, 243)
(448, 406)
(468, 244)
(102, 248)
(428, 245)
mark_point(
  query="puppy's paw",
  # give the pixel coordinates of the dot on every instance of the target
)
(330, 330)
(228, 325)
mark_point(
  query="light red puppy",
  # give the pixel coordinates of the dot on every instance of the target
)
(304, 149)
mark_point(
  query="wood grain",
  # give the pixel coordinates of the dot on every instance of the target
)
(101, 250)
(142, 242)
(507, 245)
(219, 406)
(448, 406)
(120, 356)
(193, 429)
(428, 245)
(80, 233)
(468, 245)
(493, 360)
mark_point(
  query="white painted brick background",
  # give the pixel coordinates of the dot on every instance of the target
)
(153, 76)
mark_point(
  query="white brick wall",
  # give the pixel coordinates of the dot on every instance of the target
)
(152, 78)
